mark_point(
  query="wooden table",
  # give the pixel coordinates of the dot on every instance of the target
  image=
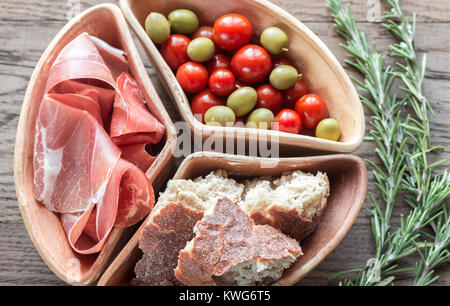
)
(28, 26)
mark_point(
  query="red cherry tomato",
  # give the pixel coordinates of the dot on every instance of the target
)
(218, 61)
(292, 94)
(251, 64)
(222, 82)
(281, 61)
(269, 97)
(287, 121)
(312, 110)
(205, 31)
(192, 77)
(203, 101)
(232, 31)
(174, 50)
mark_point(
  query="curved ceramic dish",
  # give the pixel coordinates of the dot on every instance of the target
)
(348, 185)
(322, 72)
(44, 227)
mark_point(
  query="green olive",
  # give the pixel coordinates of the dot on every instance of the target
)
(283, 77)
(242, 100)
(201, 49)
(260, 118)
(328, 129)
(183, 21)
(274, 40)
(157, 27)
(220, 115)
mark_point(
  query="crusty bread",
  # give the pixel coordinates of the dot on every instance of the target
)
(292, 203)
(229, 249)
(162, 239)
(171, 224)
(203, 192)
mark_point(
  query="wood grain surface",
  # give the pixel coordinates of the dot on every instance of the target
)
(27, 28)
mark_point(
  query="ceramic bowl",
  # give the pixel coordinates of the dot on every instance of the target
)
(348, 185)
(321, 71)
(106, 22)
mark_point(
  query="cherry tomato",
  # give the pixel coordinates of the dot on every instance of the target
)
(281, 61)
(192, 77)
(222, 82)
(251, 64)
(174, 50)
(205, 31)
(269, 97)
(218, 61)
(312, 110)
(287, 121)
(232, 31)
(292, 94)
(203, 101)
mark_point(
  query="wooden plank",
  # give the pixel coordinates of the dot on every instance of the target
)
(27, 28)
(314, 11)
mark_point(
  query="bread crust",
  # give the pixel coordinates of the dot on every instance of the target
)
(225, 238)
(169, 230)
(290, 221)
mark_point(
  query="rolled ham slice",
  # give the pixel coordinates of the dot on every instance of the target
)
(104, 97)
(79, 59)
(128, 198)
(131, 122)
(73, 157)
(78, 169)
(114, 58)
(138, 155)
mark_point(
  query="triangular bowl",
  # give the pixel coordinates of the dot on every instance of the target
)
(348, 186)
(106, 22)
(322, 72)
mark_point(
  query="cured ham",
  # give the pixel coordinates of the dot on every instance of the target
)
(104, 97)
(138, 155)
(128, 198)
(131, 122)
(90, 107)
(73, 158)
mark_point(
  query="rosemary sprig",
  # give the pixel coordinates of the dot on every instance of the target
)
(386, 129)
(420, 183)
(435, 254)
(393, 136)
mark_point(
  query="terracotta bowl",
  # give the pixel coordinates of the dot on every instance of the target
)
(348, 186)
(322, 72)
(44, 227)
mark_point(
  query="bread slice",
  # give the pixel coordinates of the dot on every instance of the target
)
(161, 241)
(229, 249)
(292, 203)
(171, 224)
(203, 192)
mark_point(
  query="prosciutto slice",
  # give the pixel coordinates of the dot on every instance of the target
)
(131, 122)
(104, 97)
(128, 199)
(78, 168)
(73, 157)
(79, 59)
(138, 155)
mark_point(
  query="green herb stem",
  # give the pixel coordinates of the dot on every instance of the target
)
(395, 134)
